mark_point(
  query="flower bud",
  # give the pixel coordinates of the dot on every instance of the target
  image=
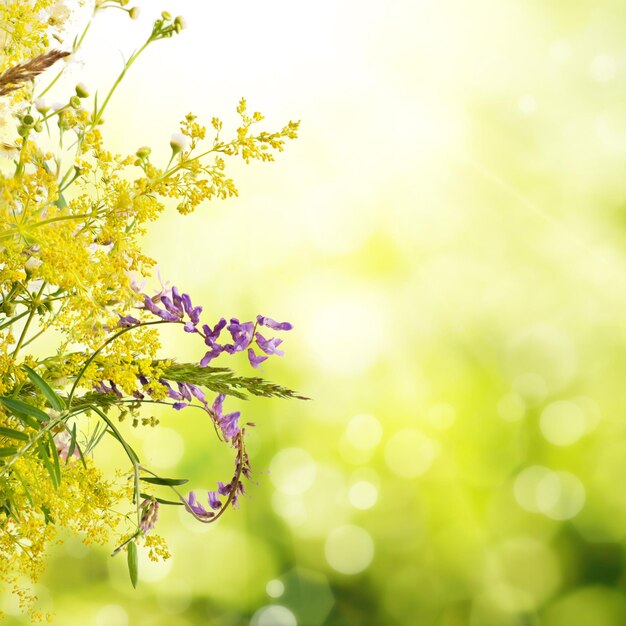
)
(179, 142)
(143, 152)
(179, 23)
(38, 127)
(134, 13)
(42, 106)
(82, 91)
(28, 120)
(166, 15)
(75, 102)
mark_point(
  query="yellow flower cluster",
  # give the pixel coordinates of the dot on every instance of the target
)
(71, 222)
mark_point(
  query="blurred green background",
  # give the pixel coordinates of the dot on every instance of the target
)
(448, 238)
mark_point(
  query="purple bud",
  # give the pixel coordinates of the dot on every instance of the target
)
(273, 324)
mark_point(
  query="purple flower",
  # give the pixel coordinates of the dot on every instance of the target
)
(171, 307)
(192, 312)
(217, 329)
(269, 346)
(197, 393)
(127, 321)
(227, 423)
(196, 507)
(214, 502)
(175, 395)
(223, 489)
(149, 305)
(210, 355)
(273, 324)
(190, 328)
(255, 360)
(184, 391)
(241, 334)
(179, 405)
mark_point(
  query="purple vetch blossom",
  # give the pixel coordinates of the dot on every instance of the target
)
(269, 346)
(214, 501)
(255, 360)
(241, 334)
(273, 324)
(196, 507)
(127, 321)
(149, 516)
(227, 423)
(210, 355)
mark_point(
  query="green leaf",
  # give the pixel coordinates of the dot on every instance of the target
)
(8, 451)
(133, 563)
(167, 482)
(52, 470)
(55, 401)
(13, 434)
(21, 408)
(161, 500)
(60, 201)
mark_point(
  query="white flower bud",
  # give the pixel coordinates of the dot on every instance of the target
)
(42, 106)
(179, 142)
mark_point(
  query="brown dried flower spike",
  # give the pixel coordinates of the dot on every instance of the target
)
(14, 76)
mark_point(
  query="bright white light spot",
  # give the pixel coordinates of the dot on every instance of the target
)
(112, 615)
(364, 432)
(410, 453)
(275, 588)
(511, 408)
(527, 105)
(293, 471)
(563, 423)
(349, 549)
(363, 495)
(274, 615)
(525, 486)
(560, 495)
(348, 334)
(441, 415)
(163, 447)
(603, 68)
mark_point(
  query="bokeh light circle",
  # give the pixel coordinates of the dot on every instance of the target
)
(349, 549)
(274, 615)
(560, 495)
(364, 432)
(293, 471)
(563, 423)
(363, 495)
(275, 588)
(410, 453)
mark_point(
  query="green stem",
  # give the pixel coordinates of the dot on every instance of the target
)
(31, 314)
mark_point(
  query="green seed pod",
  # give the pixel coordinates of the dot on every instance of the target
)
(134, 13)
(38, 127)
(7, 308)
(166, 16)
(28, 120)
(75, 102)
(22, 131)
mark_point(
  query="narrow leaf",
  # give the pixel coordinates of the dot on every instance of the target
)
(13, 434)
(133, 563)
(17, 406)
(43, 455)
(55, 401)
(8, 451)
(161, 500)
(167, 482)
